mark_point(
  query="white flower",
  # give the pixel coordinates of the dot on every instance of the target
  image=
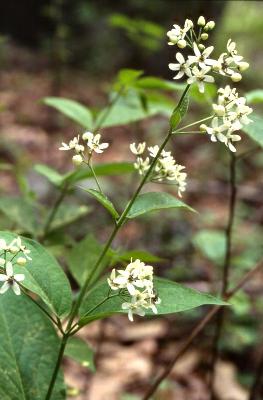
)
(174, 34)
(236, 77)
(201, 58)
(231, 48)
(153, 150)
(134, 307)
(93, 143)
(182, 67)
(200, 76)
(137, 149)
(73, 145)
(18, 243)
(3, 245)
(10, 280)
(137, 279)
(142, 165)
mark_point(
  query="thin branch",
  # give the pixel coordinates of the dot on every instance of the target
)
(54, 210)
(199, 327)
(226, 268)
(258, 381)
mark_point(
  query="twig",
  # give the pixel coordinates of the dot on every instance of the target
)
(199, 327)
(226, 268)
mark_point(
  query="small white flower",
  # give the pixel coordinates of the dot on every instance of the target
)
(17, 242)
(182, 67)
(153, 150)
(200, 77)
(134, 307)
(201, 58)
(236, 77)
(137, 149)
(73, 145)
(10, 280)
(93, 143)
(3, 245)
(142, 165)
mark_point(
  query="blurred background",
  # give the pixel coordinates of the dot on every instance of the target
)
(75, 49)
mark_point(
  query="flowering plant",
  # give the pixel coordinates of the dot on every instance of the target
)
(42, 287)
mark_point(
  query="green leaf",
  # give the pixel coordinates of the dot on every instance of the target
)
(80, 351)
(51, 174)
(255, 129)
(153, 83)
(126, 77)
(174, 298)
(67, 214)
(211, 243)
(28, 351)
(179, 112)
(107, 169)
(44, 276)
(143, 255)
(255, 96)
(72, 109)
(103, 199)
(153, 201)
(83, 257)
(20, 211)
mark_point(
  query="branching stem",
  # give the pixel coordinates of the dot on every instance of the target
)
(118, 225)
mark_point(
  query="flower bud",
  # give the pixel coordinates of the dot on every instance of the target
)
(14, 249)
(242, 66)
(236, 77)
(204, 36)
(181, 43)
(21, 261)
(203, 128)
(79, 148)
(87, 135)
(201, 46)
(201, 21)
(77, 160)
(209, 26)
(219, 110)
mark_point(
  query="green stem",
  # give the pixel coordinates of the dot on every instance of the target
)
(54, 210)
(105, 115)
(118, 225)
(72, 331)
(194, 123)
(57, 366)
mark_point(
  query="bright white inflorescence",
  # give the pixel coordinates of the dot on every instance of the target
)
(200, 65)
(164, 169)
(231, 113)
(136, 280)
(14, 250)
(93, 145)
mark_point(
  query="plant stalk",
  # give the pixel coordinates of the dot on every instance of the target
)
(54, 210)
(118, 225)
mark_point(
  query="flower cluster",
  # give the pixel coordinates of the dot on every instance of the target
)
(199, 66)
(92, 142)
(231, 113)
(14, 249)
(136, 280)
(165, 167)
